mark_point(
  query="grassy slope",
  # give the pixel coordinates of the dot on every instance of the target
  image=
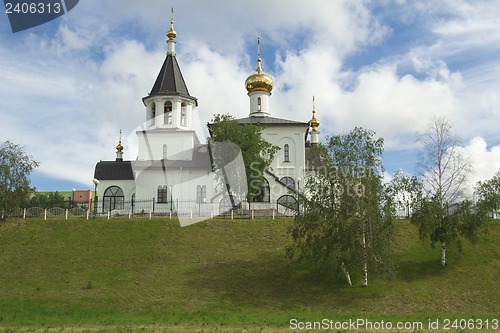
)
(220, 274)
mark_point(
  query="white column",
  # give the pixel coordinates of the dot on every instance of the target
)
(189, 115)
(176, 113)
(149, 112)
(159, 113)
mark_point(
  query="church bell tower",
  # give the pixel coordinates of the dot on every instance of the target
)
(168, 132)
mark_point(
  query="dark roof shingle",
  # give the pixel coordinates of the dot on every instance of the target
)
(170, 80)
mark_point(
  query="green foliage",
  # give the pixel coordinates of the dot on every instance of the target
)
(405, 190)
(15, 167)
(488, 192)
(48, 200)
(347, 216)
(450, 224)
(257, 153)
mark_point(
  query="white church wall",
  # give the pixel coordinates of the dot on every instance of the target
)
(179, 144)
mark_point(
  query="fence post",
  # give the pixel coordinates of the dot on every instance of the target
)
(252, 214)
(88, 214)
(150, 215)
(153, 205)
(273, 213)
(170, 214)
(66, 214)
(232, 214)
(45, 214)
(24, 213)
(191, 213)
(129, 214)
(109, 215)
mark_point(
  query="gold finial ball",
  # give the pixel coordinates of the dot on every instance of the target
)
(259, 81)
(119, 147)
(171, 33)
(314, 122)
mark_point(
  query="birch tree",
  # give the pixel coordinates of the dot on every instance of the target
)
(444, 171)
(346, 221)
(15, 167)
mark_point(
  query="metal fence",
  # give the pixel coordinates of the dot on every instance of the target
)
(187, 209)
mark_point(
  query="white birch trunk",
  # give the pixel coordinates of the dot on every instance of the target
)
(365, 261)
(347, 275)
(443, 254)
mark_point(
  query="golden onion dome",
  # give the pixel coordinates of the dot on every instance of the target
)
(171, 34)
(314, 122)
(259, 81)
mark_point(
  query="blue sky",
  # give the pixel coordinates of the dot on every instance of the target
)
(70, 85)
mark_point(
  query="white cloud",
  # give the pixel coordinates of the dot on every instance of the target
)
(485, 160)
(68, 93)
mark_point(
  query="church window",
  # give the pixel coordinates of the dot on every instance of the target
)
(259, 104)
(263, 193)
(164, 152)
(286, 153)
(289, 182)
(201, 193)
(168, 113)
(162, 194)
(183, 114)
(288, 202)
(113, 199)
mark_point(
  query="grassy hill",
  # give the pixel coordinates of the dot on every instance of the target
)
(219, 276)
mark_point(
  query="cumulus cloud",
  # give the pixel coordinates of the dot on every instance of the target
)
(485, 160)
(66, 93)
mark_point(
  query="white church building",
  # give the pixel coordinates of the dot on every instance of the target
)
(173, 171)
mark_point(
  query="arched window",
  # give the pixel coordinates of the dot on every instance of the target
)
(113, 199)
(183, 114)
(259, 104)
(289, 182)
(288, 201)
(162, 194)
(264, 192)
(167, 116)
(286, 153)
(201, 193)
(164, 152)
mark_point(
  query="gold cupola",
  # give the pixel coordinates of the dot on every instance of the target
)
(314, 122)
(259, 81)
(171, 33)
(119, 149)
